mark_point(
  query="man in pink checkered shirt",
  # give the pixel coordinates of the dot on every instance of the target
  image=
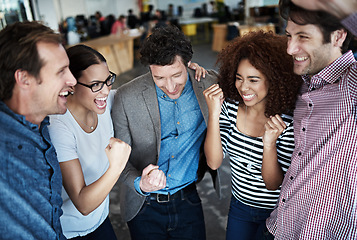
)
(318, 198)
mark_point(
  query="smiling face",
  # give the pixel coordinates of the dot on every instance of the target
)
(171, 79)
(306, 46)
(251, 84)
(55, 80)
(97, 101)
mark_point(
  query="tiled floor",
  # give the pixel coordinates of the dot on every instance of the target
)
(215, 209)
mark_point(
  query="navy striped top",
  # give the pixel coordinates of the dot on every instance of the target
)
(246, 155)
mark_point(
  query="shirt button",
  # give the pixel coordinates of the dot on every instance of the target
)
(169, 175)
(172, 156)
(310, 104)
(283, 200)
(291, 178)
(178, 122)
(175, 102)
(19, 147)
(303, 129)
(299, 153)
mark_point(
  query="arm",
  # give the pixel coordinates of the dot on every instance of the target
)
(151, 178)
(88, 198)
(213, 144)
(339, 8)
(271, 170)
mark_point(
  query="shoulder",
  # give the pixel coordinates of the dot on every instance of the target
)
(229, 109)
(136, 85)
(60, 123)
(288, 119)
(288, 132)
(230, 104)
(211, 77)
(212, 74)
(352, 81)
(59, 118)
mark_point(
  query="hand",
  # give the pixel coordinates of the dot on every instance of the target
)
(339, 8)
(273, 128)
(214, 99)
(152, 179)
(118, 153)
(200, 71)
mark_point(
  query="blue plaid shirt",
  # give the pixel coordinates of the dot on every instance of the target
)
(30, 180)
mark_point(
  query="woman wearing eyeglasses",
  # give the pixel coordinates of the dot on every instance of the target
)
(91, 160)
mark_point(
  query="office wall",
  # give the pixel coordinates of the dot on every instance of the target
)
(190, 5)
(45, 11)
(258, 3)
(89, 7)
(51, 12)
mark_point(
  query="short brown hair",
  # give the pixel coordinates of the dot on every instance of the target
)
(18, 50)
(326, 22)
(267, 53)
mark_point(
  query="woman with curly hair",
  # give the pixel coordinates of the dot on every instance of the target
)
(250, 119)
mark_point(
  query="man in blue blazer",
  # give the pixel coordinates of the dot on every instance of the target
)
(162, 115)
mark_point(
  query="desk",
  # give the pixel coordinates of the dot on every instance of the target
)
(189, 26)
(244, 29)
(220, 32)
(118, 50)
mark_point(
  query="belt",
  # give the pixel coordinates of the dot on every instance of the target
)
(164, 198)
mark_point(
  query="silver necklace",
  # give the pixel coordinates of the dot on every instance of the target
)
(76, 118)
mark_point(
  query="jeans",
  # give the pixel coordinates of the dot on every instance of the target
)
(246, 222)
(180, 218)
(104, 232)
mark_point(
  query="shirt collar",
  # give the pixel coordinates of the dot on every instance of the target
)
(332, 72)
(161, 94)
(22, 118)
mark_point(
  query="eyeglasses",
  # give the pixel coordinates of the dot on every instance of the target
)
(96, 87)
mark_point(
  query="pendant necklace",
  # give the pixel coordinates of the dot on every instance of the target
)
(76, 118)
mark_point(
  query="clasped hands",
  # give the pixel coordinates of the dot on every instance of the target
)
(152, 179)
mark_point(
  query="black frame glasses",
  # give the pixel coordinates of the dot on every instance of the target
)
(96, 87)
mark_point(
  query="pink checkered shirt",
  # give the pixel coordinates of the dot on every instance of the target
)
(318, 198)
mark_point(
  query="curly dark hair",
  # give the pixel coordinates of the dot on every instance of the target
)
(163, 45)
(265, 51)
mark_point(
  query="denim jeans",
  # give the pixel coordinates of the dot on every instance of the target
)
(181, 218)
(246, 222)
(104, 232)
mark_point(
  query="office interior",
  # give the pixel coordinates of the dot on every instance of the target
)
(209, 32)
